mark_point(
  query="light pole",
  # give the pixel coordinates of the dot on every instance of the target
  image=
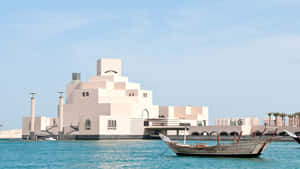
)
(60, 115)
(32, 122)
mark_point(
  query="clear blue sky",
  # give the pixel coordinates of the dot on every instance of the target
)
(239, 58)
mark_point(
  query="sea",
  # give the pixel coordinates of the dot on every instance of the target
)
(133, 154)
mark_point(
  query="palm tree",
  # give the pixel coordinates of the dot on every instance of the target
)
(270, 114)
(283, 115)
(276, 117)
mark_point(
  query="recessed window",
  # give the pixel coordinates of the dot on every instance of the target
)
(131, 94)
(112, 124)
(161, 116)
(145, 94)
(85, 94)
(146, 123)
(184, 124)
(88, 124)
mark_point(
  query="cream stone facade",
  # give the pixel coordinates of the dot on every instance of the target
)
(227, 126)
(272, 121)
(248, 121)
(108, 105)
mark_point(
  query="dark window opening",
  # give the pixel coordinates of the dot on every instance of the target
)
(88, 124)
(161, 116)
(184, 124)
(112, 124)
(146, 123)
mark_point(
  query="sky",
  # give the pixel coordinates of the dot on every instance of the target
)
(239, 58)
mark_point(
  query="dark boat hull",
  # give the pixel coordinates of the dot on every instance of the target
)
(297, 139)
(222, 155)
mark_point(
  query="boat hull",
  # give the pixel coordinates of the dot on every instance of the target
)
(222, 155)
(297, 139)
(245, 149)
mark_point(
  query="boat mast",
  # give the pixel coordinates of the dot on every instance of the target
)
(184, 138)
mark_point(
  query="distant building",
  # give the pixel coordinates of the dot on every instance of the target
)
(272, 121)
(109, 106)
(227, 127)
(249, 121)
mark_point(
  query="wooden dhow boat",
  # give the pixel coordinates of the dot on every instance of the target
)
(252, 148)
(296, 138)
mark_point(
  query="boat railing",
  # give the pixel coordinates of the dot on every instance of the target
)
(165, 122)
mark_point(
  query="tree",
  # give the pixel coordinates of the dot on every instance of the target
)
(270, 114)
(276, 117)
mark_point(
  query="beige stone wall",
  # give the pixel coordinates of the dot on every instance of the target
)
(185, 114)
(279, 121)
(40, 126)
(104, 65)
(95, 122)
(11, 134)
(73, 112)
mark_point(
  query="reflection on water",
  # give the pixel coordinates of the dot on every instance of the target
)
(133, 154)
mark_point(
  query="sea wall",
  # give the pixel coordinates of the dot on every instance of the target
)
(11, 134)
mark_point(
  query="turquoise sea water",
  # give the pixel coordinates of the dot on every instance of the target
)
(132, 154)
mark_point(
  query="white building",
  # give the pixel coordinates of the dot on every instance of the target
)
(109, 106)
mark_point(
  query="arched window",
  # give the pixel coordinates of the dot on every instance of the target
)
(145, 114)
(88, 124)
